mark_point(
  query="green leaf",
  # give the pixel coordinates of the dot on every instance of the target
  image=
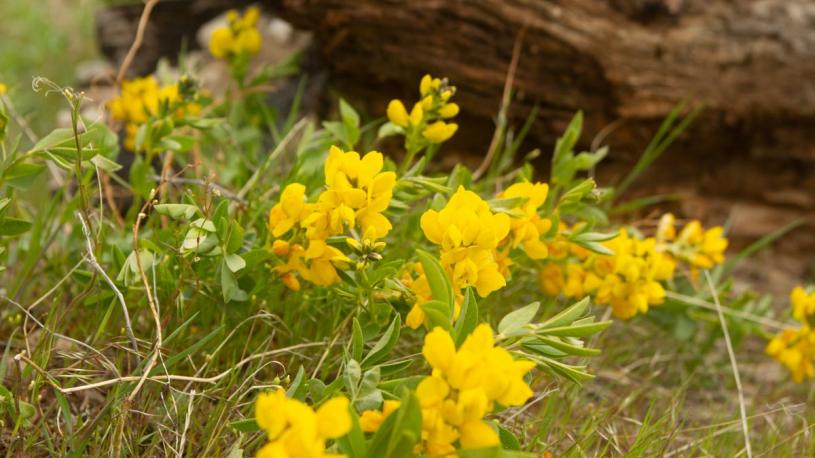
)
(437, 314)
(400, 431)
(577, 330)
(388, 129)
(467, 318)
(348, 115)
(368, 396)
(353, 444)
(437, 278)
(229, 284)
(105, 164)
(357, 340)
(22, 175)
(567, 316)
(516, 320)
(575, 348)
(487, 452)
(508, 440)
(11, 227)
(351, 377)
(177, 211)
(248, 425)
(234, 262)
(297, 389)
(235, 238)
(54, 138)
(385, 343)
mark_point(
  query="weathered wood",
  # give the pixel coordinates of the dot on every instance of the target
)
(752, 63)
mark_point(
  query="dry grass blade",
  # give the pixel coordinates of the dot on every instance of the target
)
(732, 356)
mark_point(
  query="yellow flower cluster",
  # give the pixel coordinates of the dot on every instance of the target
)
(141, 99)
(700, 248)
(294, 429)
(428, 114)
(464, 387)
(357, 192)
(239, 38)
(468, 233)
(628, 281)
(795, 347)
(527, 227)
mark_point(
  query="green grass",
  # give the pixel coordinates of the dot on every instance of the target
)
(43, 38)
(71, 379)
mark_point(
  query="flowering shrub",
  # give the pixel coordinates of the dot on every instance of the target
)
(275, 250)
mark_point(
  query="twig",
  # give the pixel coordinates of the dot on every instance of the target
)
(150, 301)
(92, 261)
(505, 101)
(742, 409)
(186, 425)
(185, 378)
(134, 48)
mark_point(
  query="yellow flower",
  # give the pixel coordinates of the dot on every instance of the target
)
(416, 115)
(321, 259)
(397, 113)
(803, 305)
(239, 37)
(700, 248)
(424, 124)
(795, 349)
(465, 221)
(371, 420)
(464, 387)
(358, 192)
(666, 230)
(628, 281)
(448, 110)
(551, 279)
(439, 131)
(291, 210)
(221, 42)
(294, 429)
(140, 100)
(528, 229)
(293, 253)
(427, 84)
(468, 233)
(3, 88)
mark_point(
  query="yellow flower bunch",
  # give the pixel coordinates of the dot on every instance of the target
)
(356, 194)
(795, 347)
(700, 248)
(294, 429)
(628, 281)
(528, 227)
(143, 98)
(468, 233)
(464, 387)
(239, 38)
(428, 115)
